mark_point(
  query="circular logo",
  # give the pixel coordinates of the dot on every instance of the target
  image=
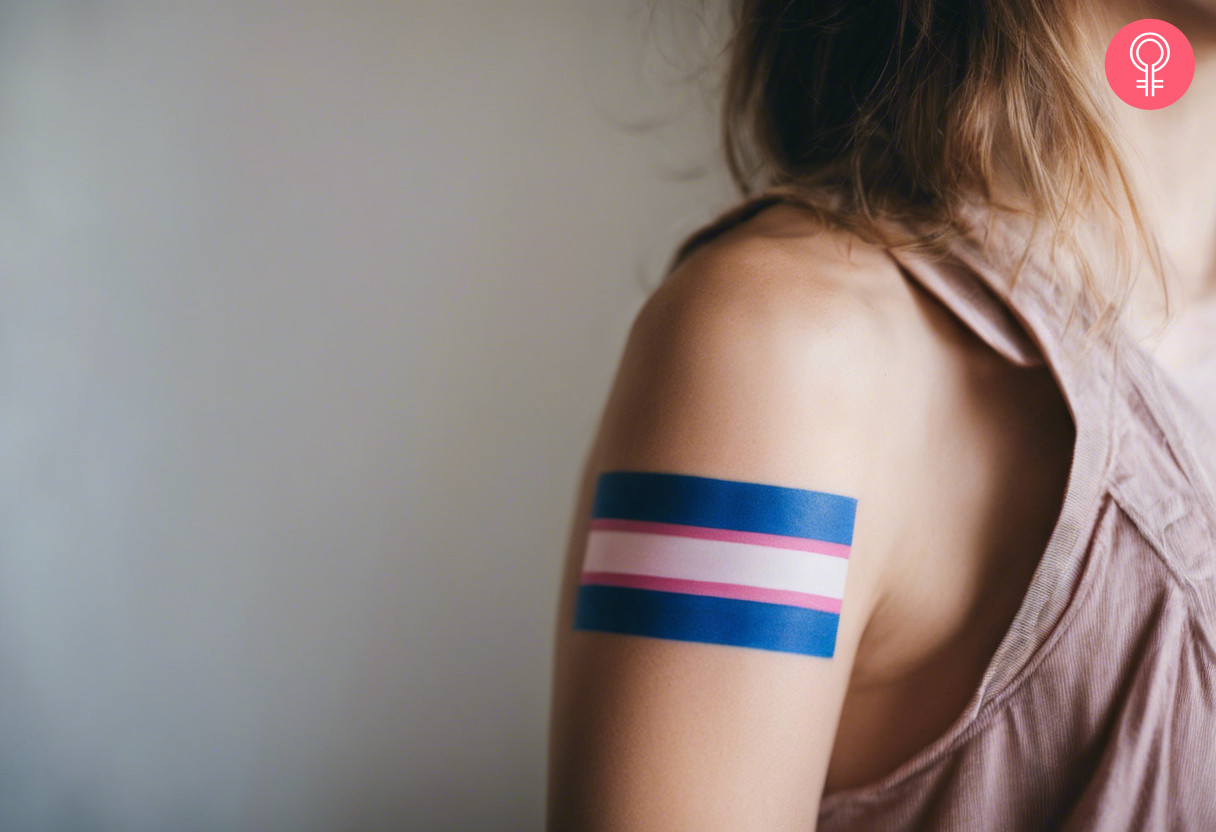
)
(1150, 64)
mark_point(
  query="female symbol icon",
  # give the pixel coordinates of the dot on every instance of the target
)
(1150, 83)
(1150, 64)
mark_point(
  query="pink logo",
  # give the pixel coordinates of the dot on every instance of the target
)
(1150, 64)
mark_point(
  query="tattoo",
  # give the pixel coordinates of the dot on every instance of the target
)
(720, 561)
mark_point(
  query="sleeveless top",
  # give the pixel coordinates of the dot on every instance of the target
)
(1098, 709)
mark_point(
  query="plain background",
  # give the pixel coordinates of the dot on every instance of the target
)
(307, 314)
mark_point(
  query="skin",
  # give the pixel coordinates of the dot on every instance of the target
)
(1169, 158)
(786, 353)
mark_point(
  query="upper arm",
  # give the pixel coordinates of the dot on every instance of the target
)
(723, 561)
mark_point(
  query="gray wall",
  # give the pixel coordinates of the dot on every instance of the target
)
(306, 317)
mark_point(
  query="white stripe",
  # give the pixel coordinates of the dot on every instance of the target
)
(670, 556)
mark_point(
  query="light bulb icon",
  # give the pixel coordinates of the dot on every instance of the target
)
(1150, 83)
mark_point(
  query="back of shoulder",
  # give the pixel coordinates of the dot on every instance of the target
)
(760, 326)
(826, 294)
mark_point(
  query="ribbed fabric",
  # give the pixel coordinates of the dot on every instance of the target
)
(1098, 709)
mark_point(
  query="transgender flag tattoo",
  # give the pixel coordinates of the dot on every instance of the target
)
(719, 561)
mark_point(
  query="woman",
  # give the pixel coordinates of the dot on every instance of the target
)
(900, 514)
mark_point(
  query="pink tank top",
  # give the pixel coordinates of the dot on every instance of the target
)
(1098, 709)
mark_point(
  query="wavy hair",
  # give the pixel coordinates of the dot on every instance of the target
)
(865, 110)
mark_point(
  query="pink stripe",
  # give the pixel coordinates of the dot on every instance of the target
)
(777, 541)
(691, 587)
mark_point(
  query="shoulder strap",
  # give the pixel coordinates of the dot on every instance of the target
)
(974, 302)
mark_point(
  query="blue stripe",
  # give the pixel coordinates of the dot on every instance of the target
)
(706, 618)
(724, 504)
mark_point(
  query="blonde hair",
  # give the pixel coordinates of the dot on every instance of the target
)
(862, 110)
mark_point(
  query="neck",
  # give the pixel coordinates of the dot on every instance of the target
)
(1169, 155)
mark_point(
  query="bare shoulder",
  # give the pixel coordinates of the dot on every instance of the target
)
(757, 382)
(788, 355)
(770, 322)
(782, 273)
